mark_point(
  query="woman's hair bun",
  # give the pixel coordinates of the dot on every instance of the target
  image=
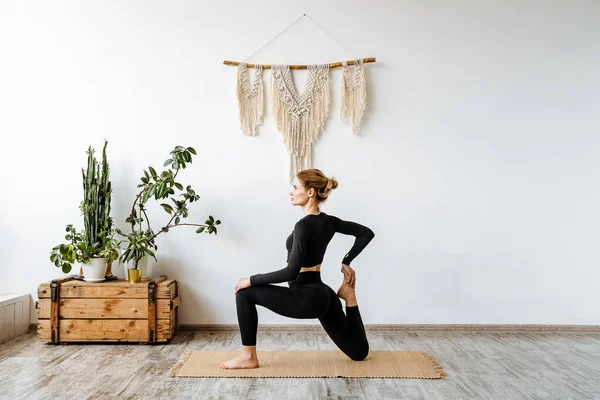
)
(331, 184)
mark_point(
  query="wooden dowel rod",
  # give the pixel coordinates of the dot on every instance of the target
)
(333, 65)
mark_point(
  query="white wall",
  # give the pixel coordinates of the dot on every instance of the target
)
(477, 166)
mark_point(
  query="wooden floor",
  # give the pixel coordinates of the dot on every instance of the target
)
(503, 365)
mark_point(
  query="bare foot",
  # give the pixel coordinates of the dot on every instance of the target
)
(240, 362)
(346, 290)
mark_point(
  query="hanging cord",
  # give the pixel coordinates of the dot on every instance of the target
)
(292, 24)
(338, 43)
(275, 37)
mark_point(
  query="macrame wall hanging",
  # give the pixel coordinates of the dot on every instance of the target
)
(354, 95)
(300, 116)
(250, 99)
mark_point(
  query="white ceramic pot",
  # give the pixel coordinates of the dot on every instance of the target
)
(94, 270)
(143, 264)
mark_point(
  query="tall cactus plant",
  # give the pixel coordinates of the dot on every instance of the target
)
(95, 206)
(96, 239)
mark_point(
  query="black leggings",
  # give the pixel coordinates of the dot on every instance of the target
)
(306, 298)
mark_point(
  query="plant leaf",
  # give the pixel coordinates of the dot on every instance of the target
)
(66, 268)
(147, 250)
(167, 208)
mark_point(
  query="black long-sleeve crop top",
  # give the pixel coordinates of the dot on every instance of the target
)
(307, 244)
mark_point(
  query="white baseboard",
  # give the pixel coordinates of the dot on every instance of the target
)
(403, 328)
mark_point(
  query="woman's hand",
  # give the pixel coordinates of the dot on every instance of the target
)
(242, 284)
(349, 274)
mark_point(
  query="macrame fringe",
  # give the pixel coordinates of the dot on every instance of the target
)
(185, 356)
(250, 99)
(354, 95)
(300, 118)
(437, 367)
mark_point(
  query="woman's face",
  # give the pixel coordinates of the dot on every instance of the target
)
(298, 195)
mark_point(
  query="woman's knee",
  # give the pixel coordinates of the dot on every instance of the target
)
(360, 354)
(242, 295)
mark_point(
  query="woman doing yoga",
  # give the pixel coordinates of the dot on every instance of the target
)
(307, 297)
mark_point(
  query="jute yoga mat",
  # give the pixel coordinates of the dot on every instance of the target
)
(312, 364)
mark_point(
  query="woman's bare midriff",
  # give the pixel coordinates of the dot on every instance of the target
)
(315, 268)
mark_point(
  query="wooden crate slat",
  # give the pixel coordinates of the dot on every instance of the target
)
(165, 289)
(151, 312)
(175, 302)
(97, 292)
(163, 329)
(117, 282)
(104, 308)
(55, 300)
(103, 330)
(117, 288)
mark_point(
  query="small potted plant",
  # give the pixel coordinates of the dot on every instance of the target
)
(93, 257)
(141, 242)
(94, 247)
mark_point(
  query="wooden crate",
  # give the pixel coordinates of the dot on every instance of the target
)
(71, 310)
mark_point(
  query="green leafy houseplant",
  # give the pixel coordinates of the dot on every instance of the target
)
(78, 249)
(96, 239)
(141, 242)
